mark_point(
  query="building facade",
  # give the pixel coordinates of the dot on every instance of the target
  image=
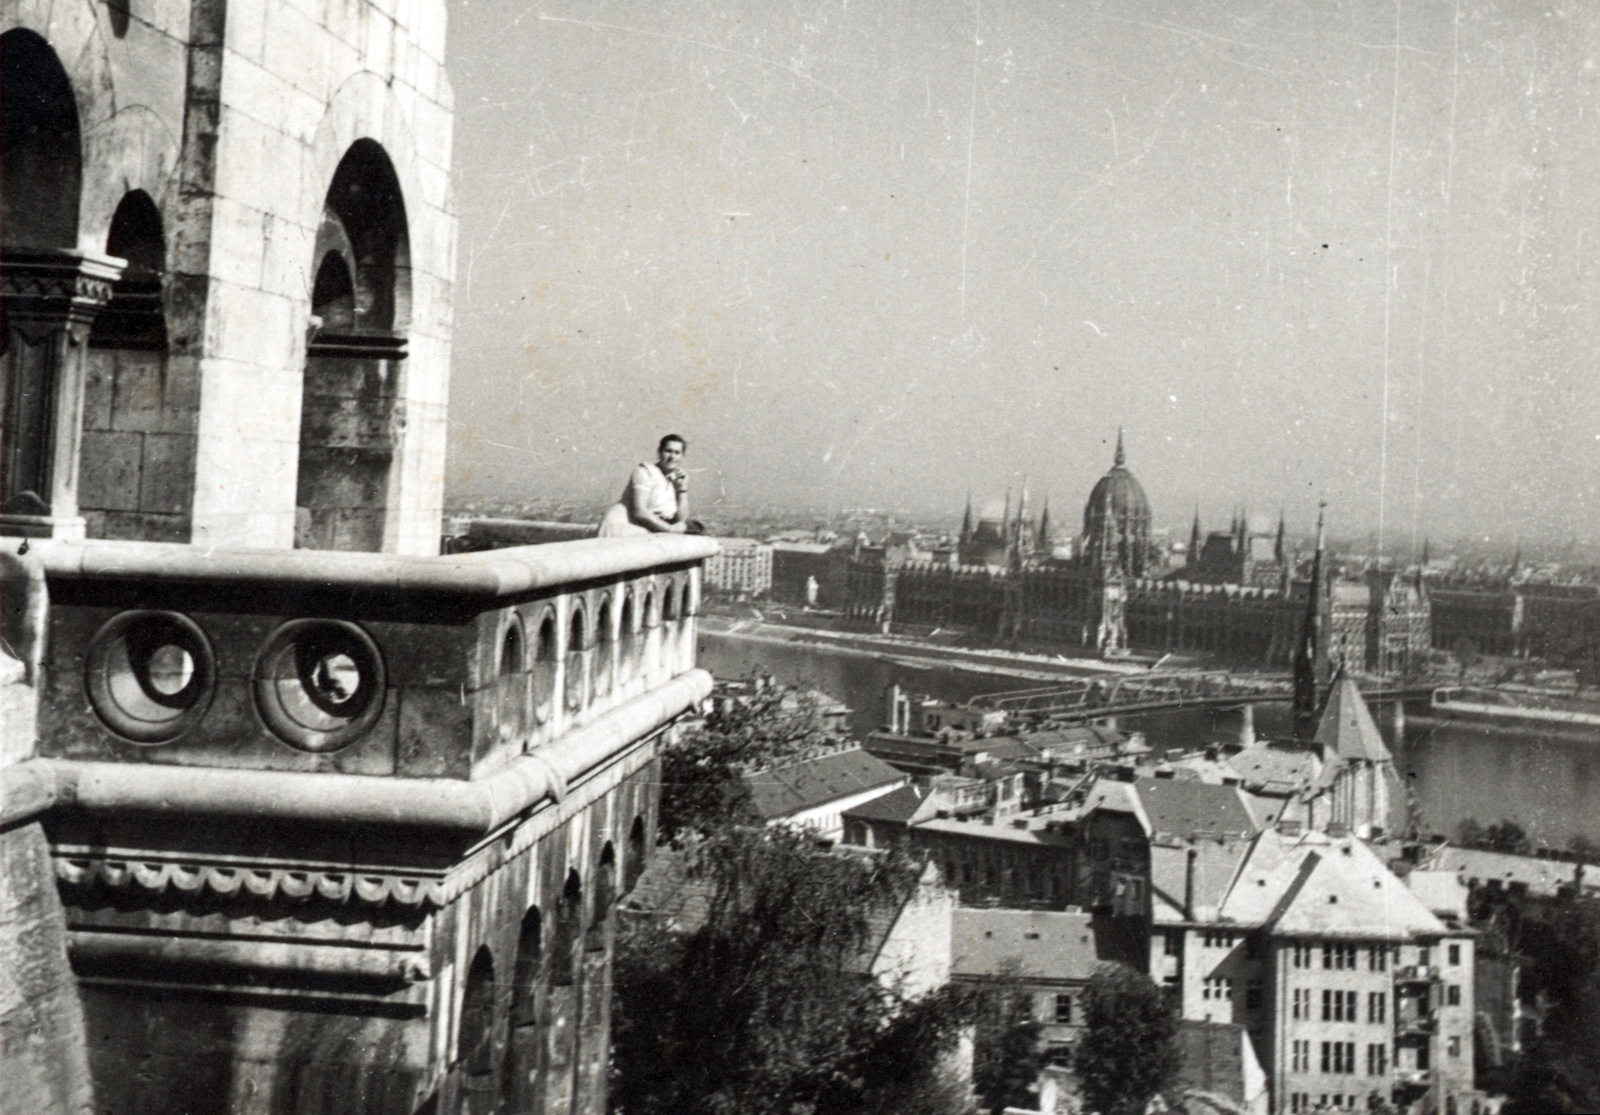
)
(1236, 597)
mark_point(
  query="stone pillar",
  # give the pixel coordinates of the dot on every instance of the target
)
(50, 296)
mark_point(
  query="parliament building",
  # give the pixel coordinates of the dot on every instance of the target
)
(1236, 596)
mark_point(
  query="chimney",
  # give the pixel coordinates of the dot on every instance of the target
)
(1190, 855)
(1247, 725)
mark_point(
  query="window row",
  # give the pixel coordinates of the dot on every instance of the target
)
(1342, 956)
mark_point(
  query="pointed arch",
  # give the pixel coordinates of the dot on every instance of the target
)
(362, 296)
(41, 183)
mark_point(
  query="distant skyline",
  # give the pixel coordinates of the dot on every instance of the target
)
(873, 254)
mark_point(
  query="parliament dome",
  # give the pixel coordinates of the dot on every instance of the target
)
(1116, 519)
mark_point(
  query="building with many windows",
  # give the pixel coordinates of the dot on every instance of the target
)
(1351, 988)
(1236, 598)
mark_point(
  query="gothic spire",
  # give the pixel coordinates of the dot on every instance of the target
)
(1121, 458)
(966, 522)
(1193, 556)
(1311, 653)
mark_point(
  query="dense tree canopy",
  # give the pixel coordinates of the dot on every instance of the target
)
(1128, 1051)
(766, 1006)
(748, 989)
(768, 726)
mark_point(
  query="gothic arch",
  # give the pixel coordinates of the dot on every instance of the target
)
(349, 425)
(43, 148)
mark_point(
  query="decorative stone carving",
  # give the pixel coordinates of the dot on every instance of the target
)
(50, 297)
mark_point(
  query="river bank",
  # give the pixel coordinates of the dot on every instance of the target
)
(1546, 782)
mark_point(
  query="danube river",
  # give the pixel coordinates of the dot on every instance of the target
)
(1550, 785)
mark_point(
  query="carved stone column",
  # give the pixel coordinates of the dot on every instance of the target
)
(50, 296)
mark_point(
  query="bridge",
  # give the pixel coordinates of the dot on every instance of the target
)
(1127, 694)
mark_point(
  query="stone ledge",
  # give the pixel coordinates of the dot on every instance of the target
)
(487, 576)
(478, 806)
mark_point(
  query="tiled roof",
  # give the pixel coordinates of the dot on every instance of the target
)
(785, 790)
(1541, 876)
(897, 805)
(1275, 769)
(1311, 884)
(1043, 944)
(1215, 864)
(1183, 807)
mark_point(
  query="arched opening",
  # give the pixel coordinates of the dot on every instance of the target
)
(669, 603)
(49, 294)
(523, 1050)
(512, 684)
(544, 668)
(564, 996)
(626, 639)
(134, 318)
(333, 295)
(634, 865)
(603, 646)
(361, 296)
(568, 927)
(605, 897)
(139, 420)
(42, 157)
(475, 1037)
(576, 647)
(511, 648)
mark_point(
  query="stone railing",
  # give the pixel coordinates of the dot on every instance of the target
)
(343, 728)
(359, 664)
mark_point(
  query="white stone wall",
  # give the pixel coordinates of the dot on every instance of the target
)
(302, 80)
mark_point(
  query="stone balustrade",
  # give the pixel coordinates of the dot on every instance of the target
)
(360, 664)
(388, 800)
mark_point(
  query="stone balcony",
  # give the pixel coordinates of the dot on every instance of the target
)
(282, 776)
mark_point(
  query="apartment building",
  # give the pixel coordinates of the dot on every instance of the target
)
(1353, 991)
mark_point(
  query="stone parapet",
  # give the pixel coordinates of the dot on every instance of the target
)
(362, 665)
(307, 812)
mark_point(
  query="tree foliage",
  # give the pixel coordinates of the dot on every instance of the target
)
(1128, 1051)
(1560, 1070)
(700, 774)
(1502, 836)
(766, 1007)
(1006, 1057)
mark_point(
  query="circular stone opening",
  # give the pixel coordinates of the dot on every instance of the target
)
(150, 675)
(319, 684)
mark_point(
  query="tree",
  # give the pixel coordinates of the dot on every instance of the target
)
(1128, 1051)
(1006, 1057)
(1503, 836)
(766, 1006)
(1560, 1072)
(701, 773)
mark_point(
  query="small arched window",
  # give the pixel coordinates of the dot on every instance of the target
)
(576, 646)
(602, 664)
(511, 658)
(568, 929)
(634, 865)
(605, 896)
(544, 667)
(134, 318)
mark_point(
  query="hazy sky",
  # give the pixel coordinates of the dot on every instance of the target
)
(883, 253)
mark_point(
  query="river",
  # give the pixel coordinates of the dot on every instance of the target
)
(1548, 784)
